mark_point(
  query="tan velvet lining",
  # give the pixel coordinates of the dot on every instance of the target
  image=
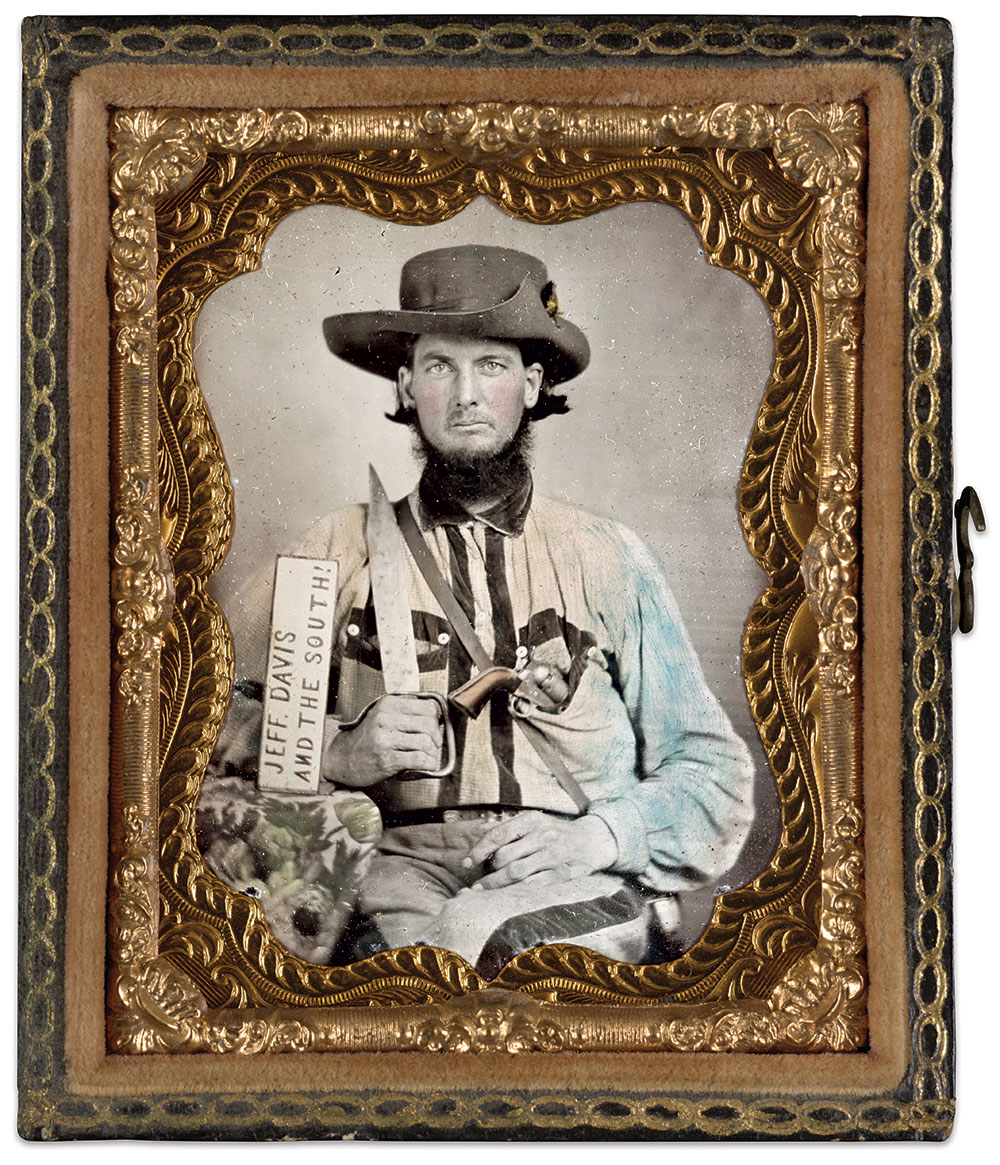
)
(94, 92)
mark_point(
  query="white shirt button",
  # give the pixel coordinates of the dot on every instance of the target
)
(444, 638)
(353, 629)
(522, 650)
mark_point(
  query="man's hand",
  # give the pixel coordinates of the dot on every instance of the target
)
(536, 845)
(399, 733)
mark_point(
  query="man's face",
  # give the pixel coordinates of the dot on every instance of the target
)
(469, 395)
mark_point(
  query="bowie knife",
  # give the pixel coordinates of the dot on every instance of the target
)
(388, 564)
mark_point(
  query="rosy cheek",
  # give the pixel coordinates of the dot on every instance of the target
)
(507, 399)
(430, 400)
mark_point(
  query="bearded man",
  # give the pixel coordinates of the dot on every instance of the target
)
(611, 778)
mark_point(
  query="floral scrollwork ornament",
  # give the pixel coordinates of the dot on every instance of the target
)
(142, 584)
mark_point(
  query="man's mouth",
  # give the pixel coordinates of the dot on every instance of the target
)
(471, 423)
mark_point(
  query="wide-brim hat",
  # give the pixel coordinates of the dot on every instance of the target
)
(489, 293)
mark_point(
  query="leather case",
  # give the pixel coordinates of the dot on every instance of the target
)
(813, 158)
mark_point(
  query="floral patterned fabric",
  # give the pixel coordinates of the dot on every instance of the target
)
(301, 856)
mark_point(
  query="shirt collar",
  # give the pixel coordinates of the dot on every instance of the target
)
(507, 516)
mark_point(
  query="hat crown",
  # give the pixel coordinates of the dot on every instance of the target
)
(473, 291)
(469, 278)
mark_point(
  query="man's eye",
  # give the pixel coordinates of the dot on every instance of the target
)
(493, 366)
(438, 368)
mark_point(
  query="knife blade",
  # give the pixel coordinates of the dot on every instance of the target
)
(390, 578)
(390, 592)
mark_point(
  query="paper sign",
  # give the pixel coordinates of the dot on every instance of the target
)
(298, 674)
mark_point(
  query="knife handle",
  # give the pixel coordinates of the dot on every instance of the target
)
(448, 766)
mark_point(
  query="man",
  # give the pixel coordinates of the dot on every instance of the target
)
(610, 777)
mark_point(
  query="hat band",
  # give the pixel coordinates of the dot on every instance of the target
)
(452, 305)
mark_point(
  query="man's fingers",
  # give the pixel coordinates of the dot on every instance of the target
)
(501, 834)
(415, 751)
(407, 732)
(419, 714)
(407, 736)
(400, 733)
(415, 762)
(490, 842)
(536, 869)
(521, 847)
(551, 681)
(407, 742)
(528, 869)
(496, 880)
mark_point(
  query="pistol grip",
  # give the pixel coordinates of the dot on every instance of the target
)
(475, 694)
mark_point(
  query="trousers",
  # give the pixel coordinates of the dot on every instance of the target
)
(417, 891)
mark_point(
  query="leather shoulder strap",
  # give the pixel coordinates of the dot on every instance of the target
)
(439, 587)
(467, 636)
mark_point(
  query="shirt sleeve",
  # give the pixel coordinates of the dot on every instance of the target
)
(684, 822)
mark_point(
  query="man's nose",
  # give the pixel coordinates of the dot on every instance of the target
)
(466, 387)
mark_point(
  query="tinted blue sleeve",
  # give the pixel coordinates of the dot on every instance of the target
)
(685, 820)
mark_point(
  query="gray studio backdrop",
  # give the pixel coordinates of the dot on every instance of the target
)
(681, 354)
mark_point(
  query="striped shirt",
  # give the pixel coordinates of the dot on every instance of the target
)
(641, 732)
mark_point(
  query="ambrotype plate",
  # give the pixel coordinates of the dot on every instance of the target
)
(626, 361)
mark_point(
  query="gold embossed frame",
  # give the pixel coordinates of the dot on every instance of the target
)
(774, 193)
(803, 150)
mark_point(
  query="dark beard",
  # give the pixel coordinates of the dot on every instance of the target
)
(476, 478)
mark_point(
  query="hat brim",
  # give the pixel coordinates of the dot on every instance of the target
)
(378, 341)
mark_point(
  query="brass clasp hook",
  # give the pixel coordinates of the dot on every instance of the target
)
(963, 611)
